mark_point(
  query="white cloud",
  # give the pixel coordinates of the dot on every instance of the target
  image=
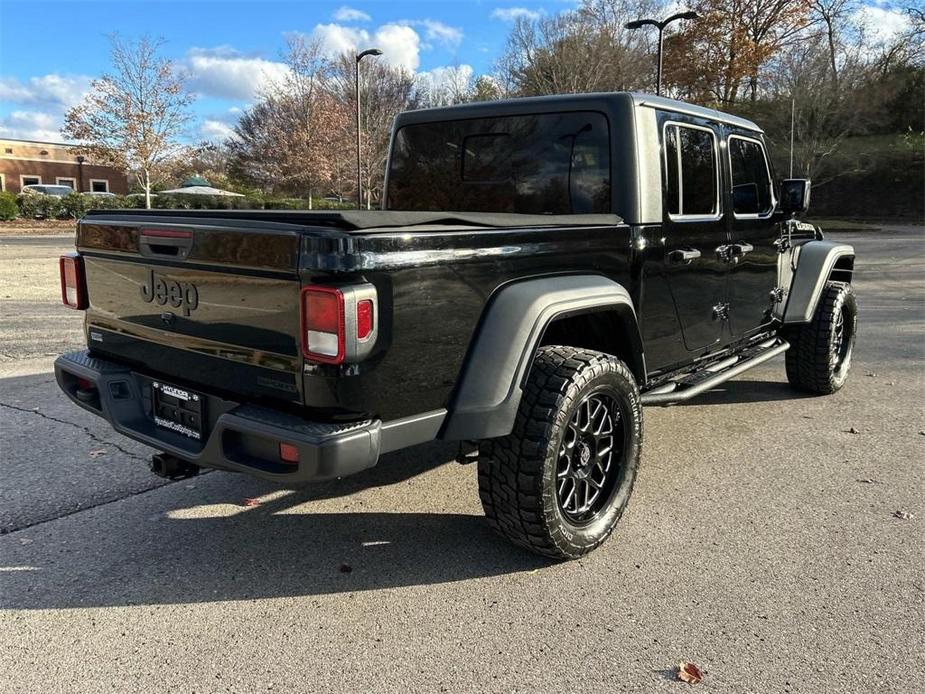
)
(438, 31)
(32, 125)
(349, 14)
(52, 90)
(226, 73)
(215, 130)
(881, 25)
(400, 44)
(509, 14)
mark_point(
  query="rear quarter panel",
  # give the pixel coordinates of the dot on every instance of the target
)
(433, 288)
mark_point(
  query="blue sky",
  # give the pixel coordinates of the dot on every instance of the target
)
(50, 50)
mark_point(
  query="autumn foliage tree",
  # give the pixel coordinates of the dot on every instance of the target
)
(284, 143)
(719, 57)
(134, 117)
(385, 91)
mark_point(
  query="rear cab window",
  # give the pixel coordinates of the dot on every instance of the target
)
(555, 163)
(752, 190)
(691, 172)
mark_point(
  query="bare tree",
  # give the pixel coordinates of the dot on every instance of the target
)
(584, 50)
(133, 118)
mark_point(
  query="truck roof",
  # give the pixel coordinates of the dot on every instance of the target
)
(562, 102)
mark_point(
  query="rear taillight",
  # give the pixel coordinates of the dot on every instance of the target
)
(73, 283)
(323, 324)
(339, 324)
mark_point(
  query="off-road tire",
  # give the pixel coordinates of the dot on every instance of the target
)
(812, 362)
(518, 472)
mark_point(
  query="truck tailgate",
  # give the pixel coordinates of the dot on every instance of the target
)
(214, 304)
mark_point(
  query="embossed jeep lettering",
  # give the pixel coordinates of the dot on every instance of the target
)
(163, 291)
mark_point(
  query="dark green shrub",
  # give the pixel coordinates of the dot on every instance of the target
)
(8, 208)
(37, 206)
(76, 205)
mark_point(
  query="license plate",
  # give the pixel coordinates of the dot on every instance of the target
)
(177, 410)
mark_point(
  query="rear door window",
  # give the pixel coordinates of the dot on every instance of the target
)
(556, 163)
(691, 171)
(752, 193)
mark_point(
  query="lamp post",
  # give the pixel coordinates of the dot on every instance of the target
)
(80, 173)
(660, 25)
(359, 57)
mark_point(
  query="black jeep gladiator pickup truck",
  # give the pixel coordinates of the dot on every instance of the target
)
(540, 270)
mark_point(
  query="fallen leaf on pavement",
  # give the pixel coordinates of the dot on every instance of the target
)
(903, 515)
(689, 672)
(25, 541)
(251, 502)
(97, 453)
(345, 568)
(868, 480)
(852, 430)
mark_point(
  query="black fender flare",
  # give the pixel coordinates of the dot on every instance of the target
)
(500, 355)
(814, 266)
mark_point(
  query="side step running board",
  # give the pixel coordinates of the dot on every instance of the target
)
(713, 375)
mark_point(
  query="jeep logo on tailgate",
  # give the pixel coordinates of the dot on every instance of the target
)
(163, 291)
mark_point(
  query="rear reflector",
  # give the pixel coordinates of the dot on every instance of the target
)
(323, 324)
(289, 453)
(73, 285)
(364, 319)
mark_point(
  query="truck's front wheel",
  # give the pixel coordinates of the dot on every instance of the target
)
(819, 357)
(560, 481)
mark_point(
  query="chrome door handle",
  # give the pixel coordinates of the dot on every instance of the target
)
(683, 255)
(742, 248)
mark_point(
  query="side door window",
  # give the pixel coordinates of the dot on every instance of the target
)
(752, 193)
(692, 167)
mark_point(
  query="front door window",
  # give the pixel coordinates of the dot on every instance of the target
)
(751, 181)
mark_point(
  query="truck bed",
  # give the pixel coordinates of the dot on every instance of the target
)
(224, 316)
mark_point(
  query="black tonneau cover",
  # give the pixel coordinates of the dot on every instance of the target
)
(357, 220)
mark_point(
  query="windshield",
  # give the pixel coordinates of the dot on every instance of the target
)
(50, 190)
(555, 163)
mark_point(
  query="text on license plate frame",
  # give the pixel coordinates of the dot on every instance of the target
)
(177, 410)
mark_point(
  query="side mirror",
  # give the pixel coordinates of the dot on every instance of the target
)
(794, 195)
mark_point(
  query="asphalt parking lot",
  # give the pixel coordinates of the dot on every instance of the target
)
(762, 542)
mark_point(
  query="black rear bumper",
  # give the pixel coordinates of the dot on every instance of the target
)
(238, 437)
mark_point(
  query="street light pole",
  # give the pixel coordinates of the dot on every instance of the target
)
(80, 173)
(359, 57)
(660, 25)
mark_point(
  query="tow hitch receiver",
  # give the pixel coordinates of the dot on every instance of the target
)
(172, 468)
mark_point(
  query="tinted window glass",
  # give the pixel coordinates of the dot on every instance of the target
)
(690, 171)
(751, 184)
(487, 158)
(538, 164)
(672, 183)
(698, 171)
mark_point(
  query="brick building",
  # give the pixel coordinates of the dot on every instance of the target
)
(25, 161)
